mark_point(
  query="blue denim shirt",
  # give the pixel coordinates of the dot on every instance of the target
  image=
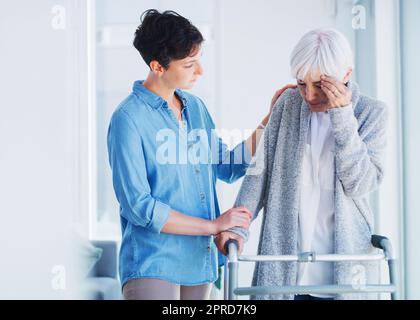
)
(158, 165)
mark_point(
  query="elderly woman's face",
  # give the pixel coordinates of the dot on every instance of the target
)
(311, 92)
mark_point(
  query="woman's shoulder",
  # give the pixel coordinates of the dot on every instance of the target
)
(289, 97)
(293, 95)
(290, 102)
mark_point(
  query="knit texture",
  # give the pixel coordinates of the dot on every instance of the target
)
(273, 184)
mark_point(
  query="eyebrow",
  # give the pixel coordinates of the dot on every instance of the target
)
(315, 83)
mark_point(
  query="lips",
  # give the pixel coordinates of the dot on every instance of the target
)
(315, 104)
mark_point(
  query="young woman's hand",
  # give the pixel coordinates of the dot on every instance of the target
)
(235, 217)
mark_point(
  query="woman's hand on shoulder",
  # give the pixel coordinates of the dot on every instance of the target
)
(278, 93)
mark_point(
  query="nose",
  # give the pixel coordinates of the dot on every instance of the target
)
(311, 94)
(199, 70)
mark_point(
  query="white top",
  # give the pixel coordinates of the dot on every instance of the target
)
(316, 215)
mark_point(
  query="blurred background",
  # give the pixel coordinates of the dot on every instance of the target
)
(66, 64)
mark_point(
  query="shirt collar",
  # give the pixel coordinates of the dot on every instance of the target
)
(153, 99)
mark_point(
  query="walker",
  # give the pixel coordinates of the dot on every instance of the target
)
(232, 291)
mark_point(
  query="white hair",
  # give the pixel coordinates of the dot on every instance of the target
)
(324, 50)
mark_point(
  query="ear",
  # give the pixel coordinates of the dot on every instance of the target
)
(156, 68)
(348, 75)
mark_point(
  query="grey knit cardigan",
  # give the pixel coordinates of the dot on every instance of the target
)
(360, 140)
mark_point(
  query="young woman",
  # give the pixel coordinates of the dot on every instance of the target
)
(165, 159)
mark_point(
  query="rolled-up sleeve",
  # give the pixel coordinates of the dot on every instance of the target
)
(231, 164)
(129, 175)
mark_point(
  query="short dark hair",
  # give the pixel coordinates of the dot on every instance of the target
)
(165, 37)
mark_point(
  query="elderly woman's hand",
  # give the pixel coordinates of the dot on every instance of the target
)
(338, 94)
(223, 237)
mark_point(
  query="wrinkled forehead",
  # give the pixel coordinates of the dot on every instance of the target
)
(311, 76)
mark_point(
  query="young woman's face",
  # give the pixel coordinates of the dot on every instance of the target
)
(183, 74)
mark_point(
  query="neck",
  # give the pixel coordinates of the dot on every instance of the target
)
(157, 87)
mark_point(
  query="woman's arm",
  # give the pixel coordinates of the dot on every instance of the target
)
(252, 192)
(254, 139)
(232, 164)
(359, 161)
(358, 152)
(133, 191)
(179, 223)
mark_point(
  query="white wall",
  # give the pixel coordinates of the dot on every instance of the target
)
(390, 218)
(410, 66)
(38, 156)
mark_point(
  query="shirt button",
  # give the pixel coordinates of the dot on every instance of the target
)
(202, 196)
(208, 248)
(197, 170)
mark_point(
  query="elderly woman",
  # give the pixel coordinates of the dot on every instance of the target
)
(321, 158)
